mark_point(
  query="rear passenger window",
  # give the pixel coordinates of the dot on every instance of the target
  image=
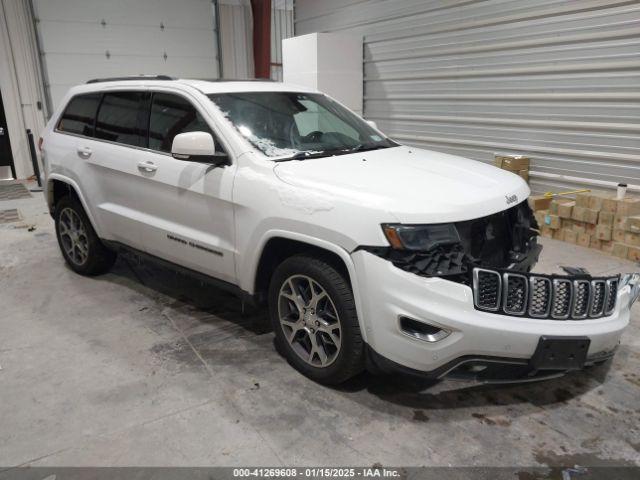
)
(80, 114)
(118, 118)
(171, 115)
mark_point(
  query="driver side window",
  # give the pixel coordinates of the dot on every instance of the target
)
(317, 118)
(171, 115)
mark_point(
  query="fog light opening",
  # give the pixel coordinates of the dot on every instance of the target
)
(422, 331)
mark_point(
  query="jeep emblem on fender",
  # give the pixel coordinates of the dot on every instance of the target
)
(511, 199)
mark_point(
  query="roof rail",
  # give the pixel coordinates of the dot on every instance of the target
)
(133, 77)
(222, 80)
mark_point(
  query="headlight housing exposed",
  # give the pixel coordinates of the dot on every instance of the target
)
(420, 237)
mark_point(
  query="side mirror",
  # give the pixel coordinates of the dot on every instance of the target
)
(372, 124)
(197, 147)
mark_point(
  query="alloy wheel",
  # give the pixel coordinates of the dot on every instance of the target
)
(309, 320)
(73, 236)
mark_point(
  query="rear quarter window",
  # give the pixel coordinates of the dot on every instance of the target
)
(80, 114)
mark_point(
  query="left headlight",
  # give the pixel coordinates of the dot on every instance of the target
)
(633, 280)
(420, 237)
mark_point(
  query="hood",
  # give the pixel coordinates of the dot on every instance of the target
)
(411, 184)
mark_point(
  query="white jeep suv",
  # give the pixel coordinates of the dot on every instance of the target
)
(369, 254)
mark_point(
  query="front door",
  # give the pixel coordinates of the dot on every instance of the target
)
(188, 205)
(7, 169)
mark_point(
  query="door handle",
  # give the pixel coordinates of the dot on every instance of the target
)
(147, 166)
(84, 152)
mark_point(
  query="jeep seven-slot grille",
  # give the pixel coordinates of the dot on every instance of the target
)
(544, 296)
(487, 294)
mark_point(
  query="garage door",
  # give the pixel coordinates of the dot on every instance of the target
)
(557, 80)
(83, 39)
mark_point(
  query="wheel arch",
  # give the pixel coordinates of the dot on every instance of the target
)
(59, 186)
(280, 245)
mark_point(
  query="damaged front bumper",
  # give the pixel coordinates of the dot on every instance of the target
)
(459, 338)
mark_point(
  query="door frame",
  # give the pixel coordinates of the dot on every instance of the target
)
(4, 124)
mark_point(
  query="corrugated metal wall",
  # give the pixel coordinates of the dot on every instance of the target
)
(556, 80)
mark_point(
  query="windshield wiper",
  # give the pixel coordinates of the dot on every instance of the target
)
(314, 154)
(365, 148)
(328, 153)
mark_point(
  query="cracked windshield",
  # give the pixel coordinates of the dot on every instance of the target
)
(290, 126)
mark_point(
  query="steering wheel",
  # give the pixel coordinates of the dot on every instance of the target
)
(314, 136)
(298, 141)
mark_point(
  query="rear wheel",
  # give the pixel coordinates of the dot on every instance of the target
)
(81, 248)
(314, 317)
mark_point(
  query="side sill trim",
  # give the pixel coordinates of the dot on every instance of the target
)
(214, 282)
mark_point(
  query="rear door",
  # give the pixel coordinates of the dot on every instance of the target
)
(113, 156)
(187, 205)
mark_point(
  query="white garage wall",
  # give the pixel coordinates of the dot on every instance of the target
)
(557, 80)
(84, 39)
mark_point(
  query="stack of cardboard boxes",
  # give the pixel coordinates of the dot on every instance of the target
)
(514, 163)
(594, 219)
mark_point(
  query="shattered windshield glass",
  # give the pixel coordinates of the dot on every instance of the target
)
(297, 125)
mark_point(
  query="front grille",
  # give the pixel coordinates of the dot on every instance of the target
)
(581, 293)
(561, 299)
(598, 298)
(612, 289)
(515, 293)
(544, 296)
(539, 304)
(488, 293)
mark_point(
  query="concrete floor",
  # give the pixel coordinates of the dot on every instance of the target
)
(141, 367)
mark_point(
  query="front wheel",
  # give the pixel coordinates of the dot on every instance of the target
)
(314, 317)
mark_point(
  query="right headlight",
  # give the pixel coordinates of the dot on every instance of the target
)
(420, 237)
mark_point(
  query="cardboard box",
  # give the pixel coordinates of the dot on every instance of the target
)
(597, 198)
(595, 243)
(553, 221)
(620, 222)
(562, 207)
(618, 236)
(606, 246)
(591, 215)
(628, 207)
(582, 200)
(569, 236)
(545, 231)
(578, 227)
(603, 232)
(620, 250)
(634, 254)
(566, 223)
(513, 163)
(632, 239)
(524, 174)
(632, 224)
(609, 205)
(583, 214)
(539, 202)
(590, 228)
(584, 240)
(558, 234)
(565, 232)
(539, 215)
(606, 218)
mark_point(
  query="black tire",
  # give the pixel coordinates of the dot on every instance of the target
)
(98, 259)
(349, 360)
